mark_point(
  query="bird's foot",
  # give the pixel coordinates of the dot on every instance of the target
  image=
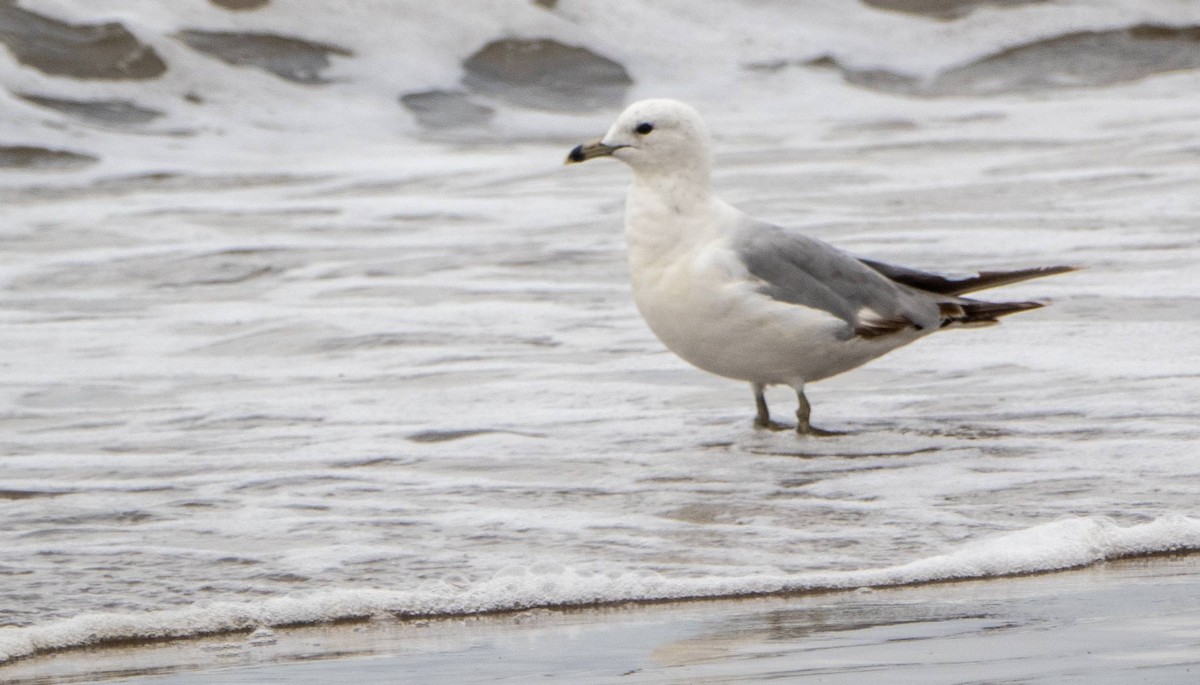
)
(811, 430)
(771, 425)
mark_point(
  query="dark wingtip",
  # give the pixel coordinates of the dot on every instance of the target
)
(948, 285)
(575, 155)
(1061, 269)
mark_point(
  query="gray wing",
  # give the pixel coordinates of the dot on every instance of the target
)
(808, 272)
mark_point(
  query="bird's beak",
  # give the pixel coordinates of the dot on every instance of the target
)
(589, 150)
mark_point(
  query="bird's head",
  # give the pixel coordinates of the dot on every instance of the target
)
(650, 136)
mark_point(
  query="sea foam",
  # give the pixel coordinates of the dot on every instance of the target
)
(1066, 544)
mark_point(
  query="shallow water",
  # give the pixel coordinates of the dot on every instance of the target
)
(265, 353)
(1121, 622)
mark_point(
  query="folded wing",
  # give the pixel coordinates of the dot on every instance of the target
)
(875, 299)
(804, 271)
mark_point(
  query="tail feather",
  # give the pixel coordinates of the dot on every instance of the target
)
(975, 313)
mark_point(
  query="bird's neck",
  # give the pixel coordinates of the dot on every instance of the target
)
(668, 214)
(670, 197)
(678, 189)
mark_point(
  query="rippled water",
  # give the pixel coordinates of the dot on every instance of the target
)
(412, 364)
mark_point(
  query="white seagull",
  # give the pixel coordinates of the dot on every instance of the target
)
(744, 299)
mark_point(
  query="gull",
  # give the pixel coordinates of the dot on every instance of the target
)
(748, 300)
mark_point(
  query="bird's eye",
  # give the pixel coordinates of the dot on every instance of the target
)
(644, 128)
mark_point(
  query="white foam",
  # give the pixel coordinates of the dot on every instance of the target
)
(670, 48)
(1066, 544)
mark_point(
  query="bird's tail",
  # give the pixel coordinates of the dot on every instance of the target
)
(973, 313)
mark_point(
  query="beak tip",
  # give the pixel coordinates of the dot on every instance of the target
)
(576, 155)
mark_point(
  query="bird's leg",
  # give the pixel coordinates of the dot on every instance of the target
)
(803, 413)
(763, 418)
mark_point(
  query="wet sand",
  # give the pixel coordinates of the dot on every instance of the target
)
(1121, 622)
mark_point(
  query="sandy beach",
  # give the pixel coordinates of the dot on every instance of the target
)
(1132, 621)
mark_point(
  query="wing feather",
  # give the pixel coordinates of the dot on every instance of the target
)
(810, 273)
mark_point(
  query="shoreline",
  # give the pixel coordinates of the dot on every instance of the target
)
(1051, 548)
(1142, 613)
